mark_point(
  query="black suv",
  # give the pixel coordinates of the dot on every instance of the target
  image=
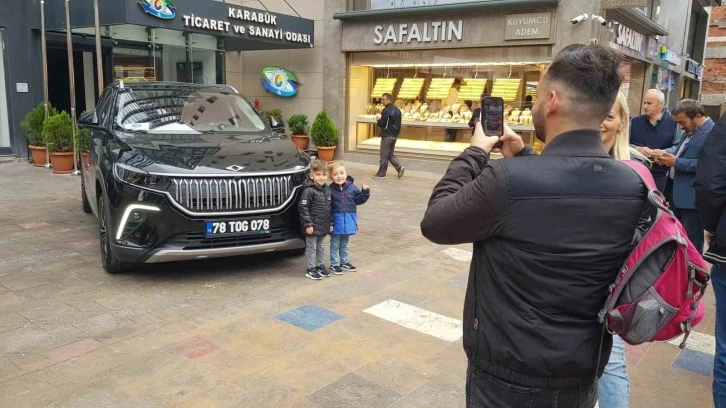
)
(184, 171)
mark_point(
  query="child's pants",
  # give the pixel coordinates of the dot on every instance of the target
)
(315, 250)
(339, 249)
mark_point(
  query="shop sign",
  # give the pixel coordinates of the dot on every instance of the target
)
(271, 33)
(615, 4)
(388, 4)
(163, 9)
(629, 38)
(436, 31)
(528, 26)
(669, 56)
(280, 81)
(694, 68)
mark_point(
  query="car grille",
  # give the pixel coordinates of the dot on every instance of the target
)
(208, 195)
(197, 240)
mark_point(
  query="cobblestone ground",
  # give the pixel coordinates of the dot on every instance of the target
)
(253, 332)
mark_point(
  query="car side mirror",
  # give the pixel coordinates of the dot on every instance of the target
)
(277, 125)
(88, 119)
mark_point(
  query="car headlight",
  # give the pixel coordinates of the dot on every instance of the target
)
(141, 178)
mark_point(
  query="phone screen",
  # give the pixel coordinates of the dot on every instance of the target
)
(492, 113)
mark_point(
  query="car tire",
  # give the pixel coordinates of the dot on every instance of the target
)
(84, 199)
(110, 263)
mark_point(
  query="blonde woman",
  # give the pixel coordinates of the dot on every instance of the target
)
(614, 385)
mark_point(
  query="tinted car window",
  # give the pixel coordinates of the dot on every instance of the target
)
(102, 107)
(185, 110)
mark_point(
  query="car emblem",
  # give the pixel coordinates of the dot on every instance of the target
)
(163, 9)
(235, 167)
(280, 81)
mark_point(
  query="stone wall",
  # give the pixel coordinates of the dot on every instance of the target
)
(714, 74)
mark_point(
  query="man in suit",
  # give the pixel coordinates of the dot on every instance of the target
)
(691, 118)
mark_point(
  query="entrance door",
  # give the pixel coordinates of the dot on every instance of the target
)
(4, 118)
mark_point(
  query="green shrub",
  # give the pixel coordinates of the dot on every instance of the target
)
(32, 125)
(297, 124)
(83, 140)
(273, 112)
(323, 132)
(58, 133)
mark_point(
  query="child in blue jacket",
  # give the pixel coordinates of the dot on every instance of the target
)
(346, 198)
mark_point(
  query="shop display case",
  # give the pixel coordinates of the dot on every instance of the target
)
(437, 104)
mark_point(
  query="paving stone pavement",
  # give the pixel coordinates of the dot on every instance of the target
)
(251, 331)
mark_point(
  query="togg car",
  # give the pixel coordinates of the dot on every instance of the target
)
(184, 171)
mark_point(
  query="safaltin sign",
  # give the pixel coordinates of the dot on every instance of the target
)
(280, 82)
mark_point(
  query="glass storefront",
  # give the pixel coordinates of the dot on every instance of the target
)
(633, 84)
(438, 91)
(4, 118)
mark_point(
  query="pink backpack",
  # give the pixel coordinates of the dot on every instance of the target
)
(656, 295)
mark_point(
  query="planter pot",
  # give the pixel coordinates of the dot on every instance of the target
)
(301, 141)
(326, 153)
(62, 162)
(85, 159)
(38, 153)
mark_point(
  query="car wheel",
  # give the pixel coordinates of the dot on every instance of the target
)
(110, 263)
(84, 199)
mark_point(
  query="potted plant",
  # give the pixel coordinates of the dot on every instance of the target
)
(83, 144)
(298, 124)
(325, 136)
(32, 126)
(58, 133)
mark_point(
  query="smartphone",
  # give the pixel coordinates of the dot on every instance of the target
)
(492, 116)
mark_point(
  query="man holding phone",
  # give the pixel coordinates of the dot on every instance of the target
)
(390, 124)
(549, 232)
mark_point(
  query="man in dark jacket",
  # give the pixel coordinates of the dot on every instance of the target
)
(710, 187)
(316, 218)
(550, 233)
(390, 124)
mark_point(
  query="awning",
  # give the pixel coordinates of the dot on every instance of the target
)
(241, 28)
(637, 21)
(492, 5)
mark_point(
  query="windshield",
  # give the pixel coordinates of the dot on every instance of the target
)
(185, 110)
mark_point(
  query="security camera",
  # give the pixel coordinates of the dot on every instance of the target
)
(579, 19)
(600, 20)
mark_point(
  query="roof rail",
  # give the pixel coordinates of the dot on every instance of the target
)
(232, 88)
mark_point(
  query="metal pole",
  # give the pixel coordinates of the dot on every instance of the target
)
(99, 63)
(44, 53)
(71, 76)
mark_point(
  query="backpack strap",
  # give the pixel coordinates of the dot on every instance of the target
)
(643, 172)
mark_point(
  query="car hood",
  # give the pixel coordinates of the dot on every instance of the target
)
(214, 153)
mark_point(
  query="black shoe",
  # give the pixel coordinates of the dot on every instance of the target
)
(336, 270)
(313, 274)
(348, 267)
(379, 177)
(322, 271)
(400, 172)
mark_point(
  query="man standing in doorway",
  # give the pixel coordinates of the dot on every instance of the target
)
(682, 166)
(654, 130)
(711, 202)
(390, 124)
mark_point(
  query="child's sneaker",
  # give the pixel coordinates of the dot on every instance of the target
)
(322, 271)
(348, 267)
(313, 274)
(336, 270)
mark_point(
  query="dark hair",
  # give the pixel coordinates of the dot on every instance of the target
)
(690, 107)
(591, 74)
(319, 166)
(387, 96)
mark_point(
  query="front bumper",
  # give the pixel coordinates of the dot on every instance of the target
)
(168, 235)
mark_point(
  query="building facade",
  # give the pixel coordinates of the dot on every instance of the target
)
(436, 60)
(714, 75)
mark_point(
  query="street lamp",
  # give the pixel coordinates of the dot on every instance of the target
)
(71, 75)
(44, 54)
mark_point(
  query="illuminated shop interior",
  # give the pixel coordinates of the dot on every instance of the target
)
(438, 98)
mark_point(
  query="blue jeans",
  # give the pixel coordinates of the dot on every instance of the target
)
(339, 249)
(718, 280)
(614, 385)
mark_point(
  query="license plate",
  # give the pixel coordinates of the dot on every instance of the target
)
(258, 226)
